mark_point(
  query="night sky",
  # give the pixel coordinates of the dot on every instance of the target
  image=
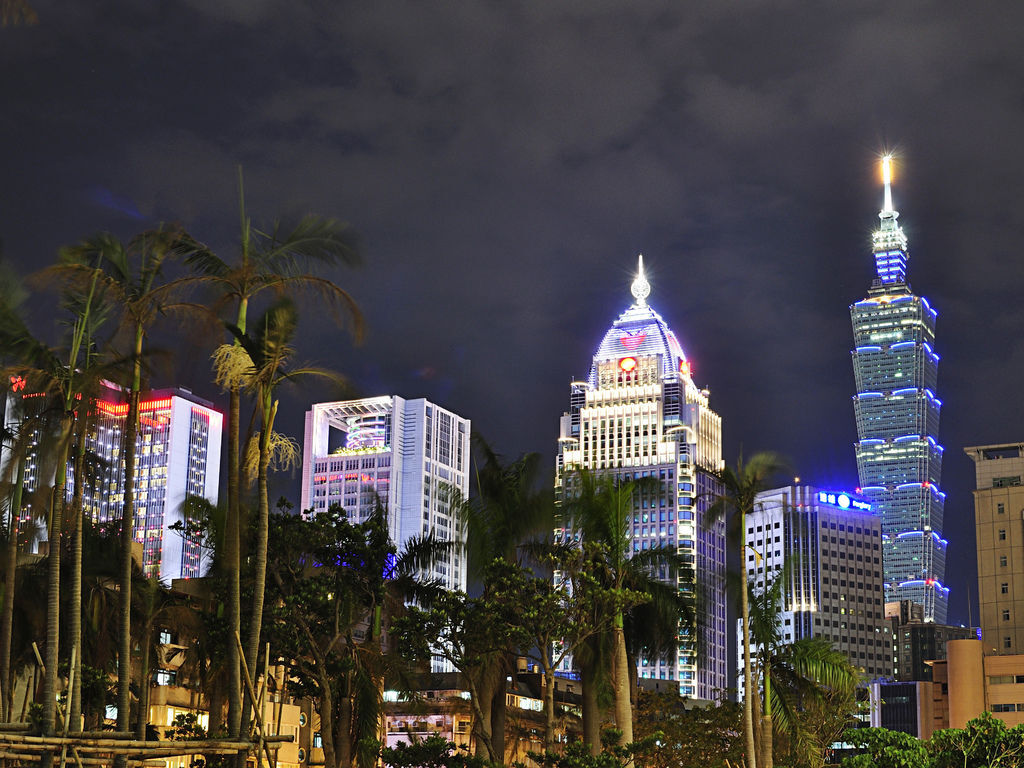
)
(505, 162)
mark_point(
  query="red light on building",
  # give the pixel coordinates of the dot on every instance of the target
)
(627, 364)
(17, 383)
(684, 368)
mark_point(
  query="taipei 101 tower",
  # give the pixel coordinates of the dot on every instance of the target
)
(899, 459)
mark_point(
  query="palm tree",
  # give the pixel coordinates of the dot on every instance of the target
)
(274, 261)
(11, 298)
(269, 351)
(131, 280)
(599, 508)
(10, 589)
(511, 506)
(735, 499)
(792, 676)
(58, 377)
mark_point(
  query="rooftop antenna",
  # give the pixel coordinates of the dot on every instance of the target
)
(887, 180)
(640, 288)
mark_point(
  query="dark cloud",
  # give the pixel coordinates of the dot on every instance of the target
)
(505, 162)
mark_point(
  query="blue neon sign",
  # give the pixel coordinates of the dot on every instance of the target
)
(842, 500)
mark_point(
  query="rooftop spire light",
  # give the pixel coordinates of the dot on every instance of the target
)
(640, 288)
(887, 181)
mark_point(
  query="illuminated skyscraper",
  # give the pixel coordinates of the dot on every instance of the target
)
(899, 459)
(177, 454)
(831, 544)
(639, 414)
(409, 454)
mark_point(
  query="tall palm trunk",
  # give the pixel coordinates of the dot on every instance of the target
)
(145, 643)
(549, 707)
(233, 565)
(767, 759)
(591, 708)
(124, 646)
(748, 680)
(327, 735)
(623, 703)
(498, 702)
(259, 576)
(75, 601)
(10, 578)
(53, 585)
(233, 524)
(343, 728)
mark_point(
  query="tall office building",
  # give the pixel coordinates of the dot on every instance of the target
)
(640, 414)
(831, 542)
(916, 644)
(409, 454)
(899, 459)
(177, 454)
(999, 531)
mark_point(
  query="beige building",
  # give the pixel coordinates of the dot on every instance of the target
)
(999, 527)
(969, 682)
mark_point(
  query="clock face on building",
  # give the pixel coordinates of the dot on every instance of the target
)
(632, 340)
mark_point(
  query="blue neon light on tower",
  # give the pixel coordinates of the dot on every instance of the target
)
(899, 459)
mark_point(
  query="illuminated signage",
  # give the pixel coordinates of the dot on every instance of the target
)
(632, 340)
(627, 364)
(842, 500)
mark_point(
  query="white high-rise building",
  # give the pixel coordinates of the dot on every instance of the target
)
(835, 588)
(409, 454)
(177, 454)
(640, 414)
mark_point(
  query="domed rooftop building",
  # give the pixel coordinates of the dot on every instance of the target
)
(640, 414)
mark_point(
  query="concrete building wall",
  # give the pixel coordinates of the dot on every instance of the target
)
(999, 532)
(966, 667)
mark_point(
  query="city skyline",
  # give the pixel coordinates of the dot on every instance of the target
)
(505, 164)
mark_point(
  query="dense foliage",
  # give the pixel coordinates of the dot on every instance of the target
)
(984, 742)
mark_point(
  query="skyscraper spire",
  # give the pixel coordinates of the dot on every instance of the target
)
(888, 241)
(887, 180)
(640, 288)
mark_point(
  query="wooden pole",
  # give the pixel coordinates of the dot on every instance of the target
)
(263, 697)
(252, 695)
(67, 708)
(24, 702)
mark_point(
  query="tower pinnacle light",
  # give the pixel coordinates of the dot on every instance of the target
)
(888, 241)
(640, 288)
(887, 181)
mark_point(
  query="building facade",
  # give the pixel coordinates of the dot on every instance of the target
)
(970, 681)
(827, 545)
(177, 454)
(916, 642)
(999, 532)
(410, 455)
(640, 414)
(899, 459)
